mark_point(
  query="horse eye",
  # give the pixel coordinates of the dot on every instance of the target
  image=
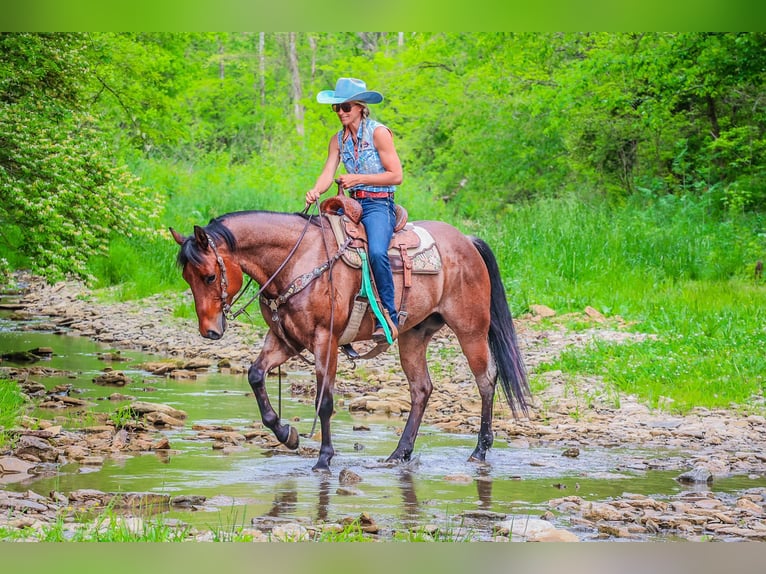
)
(209, 279)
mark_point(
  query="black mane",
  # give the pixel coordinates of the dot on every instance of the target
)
(218, 232)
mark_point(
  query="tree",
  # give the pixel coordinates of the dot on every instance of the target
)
(62, 194)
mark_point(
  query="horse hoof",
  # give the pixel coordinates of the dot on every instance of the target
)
(292, 439)
(478, 459)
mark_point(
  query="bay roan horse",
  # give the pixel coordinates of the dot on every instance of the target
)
(467, 295)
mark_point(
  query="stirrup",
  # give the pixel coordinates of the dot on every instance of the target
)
(350, 352)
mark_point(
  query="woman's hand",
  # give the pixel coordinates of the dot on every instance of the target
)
(349, 180)
(312, 195)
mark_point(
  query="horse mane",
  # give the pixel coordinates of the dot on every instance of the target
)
(219, 233)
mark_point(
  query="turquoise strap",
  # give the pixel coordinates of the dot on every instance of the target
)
(368, 292)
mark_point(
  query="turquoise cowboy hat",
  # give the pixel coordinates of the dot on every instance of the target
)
(349, 90)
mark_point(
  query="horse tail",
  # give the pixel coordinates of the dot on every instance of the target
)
(502, 337)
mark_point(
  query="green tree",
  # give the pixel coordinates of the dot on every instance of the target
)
(62, 192)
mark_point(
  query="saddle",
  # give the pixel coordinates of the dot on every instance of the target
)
(412, 248)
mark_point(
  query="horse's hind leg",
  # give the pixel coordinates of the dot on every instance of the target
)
(412, 351)
(272, 355)
(476, 350)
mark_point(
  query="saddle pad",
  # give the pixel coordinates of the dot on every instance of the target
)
(425, 257)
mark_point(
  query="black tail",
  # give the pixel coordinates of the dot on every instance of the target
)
(502, 337)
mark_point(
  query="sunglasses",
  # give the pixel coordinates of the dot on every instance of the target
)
(345, 106)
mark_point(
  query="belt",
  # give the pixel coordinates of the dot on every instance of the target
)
(371, 194)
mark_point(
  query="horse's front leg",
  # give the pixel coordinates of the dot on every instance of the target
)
(326, 364)
(272, 355)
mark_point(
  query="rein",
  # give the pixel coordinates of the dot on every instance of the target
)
(225, 307)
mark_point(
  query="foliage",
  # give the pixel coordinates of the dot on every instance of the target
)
(63, 195)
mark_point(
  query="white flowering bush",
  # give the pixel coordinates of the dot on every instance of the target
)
(62, 193)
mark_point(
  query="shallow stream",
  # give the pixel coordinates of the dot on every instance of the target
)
(253, 485)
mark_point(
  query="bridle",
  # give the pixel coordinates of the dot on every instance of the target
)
(225, 306)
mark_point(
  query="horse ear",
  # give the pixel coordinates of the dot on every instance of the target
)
(201, 237)
(177, 236)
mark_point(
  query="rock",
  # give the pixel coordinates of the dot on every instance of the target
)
(594, 314)
(555, 535)
(142, 408)
(601, 511)
(188, 500)
(542, 311)
(348, 491)
(37, 447)
(14, 469)
(572, 452)
(159, 368)
(161, 419)
(524, 527)
(197, 364)
(112, 378)
(347, 477)
(291, 532)
(698, 475)
(749, 506)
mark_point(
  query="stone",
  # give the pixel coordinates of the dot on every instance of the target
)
(142, 408)
(698, 475)
(347, 477)
(112, 378)
(542, 311)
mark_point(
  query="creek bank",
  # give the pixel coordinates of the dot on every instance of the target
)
(572, 414)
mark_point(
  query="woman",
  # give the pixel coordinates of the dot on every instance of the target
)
(366, 148)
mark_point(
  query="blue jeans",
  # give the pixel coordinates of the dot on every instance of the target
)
(379, 218)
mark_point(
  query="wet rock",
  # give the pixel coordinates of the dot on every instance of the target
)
(120, 397)
(183, 374)
(186, 501)
(197, 364)
(160, 368)
(142, 408)
(14, 469)
(698, 475)
(572, 452)
(112, 378)
(40, 449)
(348, 491)
(347, 477)
(160, 419)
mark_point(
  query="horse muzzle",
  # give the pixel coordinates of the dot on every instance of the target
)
(214, 331)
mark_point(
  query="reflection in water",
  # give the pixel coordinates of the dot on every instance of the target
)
(410, 506)
(323, 498)
(484, 487)
(285, 500)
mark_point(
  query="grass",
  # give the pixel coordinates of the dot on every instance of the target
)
(11, 407)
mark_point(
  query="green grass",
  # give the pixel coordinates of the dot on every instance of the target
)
(671, 270)
(11, 407)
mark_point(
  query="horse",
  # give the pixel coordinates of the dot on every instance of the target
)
(281, 250)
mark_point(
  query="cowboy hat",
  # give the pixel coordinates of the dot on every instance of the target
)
(349, 90)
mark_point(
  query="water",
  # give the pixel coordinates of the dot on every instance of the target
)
(438, 487)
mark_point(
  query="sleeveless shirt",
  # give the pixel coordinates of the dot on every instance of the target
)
(368, 159)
